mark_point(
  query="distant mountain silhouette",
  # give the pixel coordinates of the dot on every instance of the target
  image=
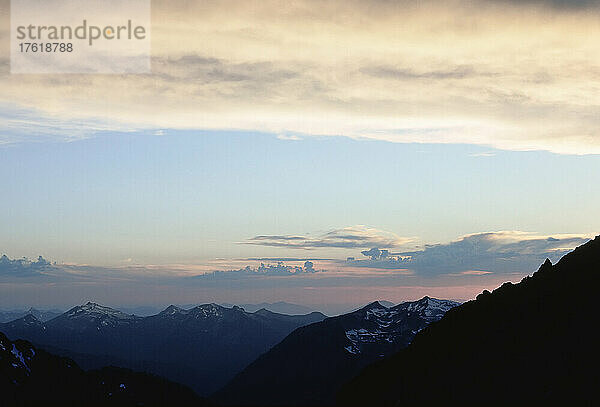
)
(309, 366)
(202, 347)
(532, 343)
(280, 307)
(33, 377)
(141, 310)
(42, 315)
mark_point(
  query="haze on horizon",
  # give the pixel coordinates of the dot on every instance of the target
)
(319, 153)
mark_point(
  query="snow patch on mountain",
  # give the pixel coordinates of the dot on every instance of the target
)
(18, 356)
(95, 316)
(99, 311)
(207, 311)
(430, 307)
(377, 324)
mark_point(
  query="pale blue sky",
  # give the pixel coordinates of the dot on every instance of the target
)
(189, 196)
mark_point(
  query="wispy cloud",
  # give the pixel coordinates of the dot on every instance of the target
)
(484, 154)
(560, 4)
(34, 125)
(471, 273)
(350, 237)
(289, 137)
(399, 73)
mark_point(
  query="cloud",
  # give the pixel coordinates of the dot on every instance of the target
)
(24, 267)
(375, 253)
(479, 254)
(398, 73)
(485, 154)
(478, 72)
(286, 259)
(31, 125)
(278, 269)
(471, 273)
(289, 137)
(458, 269)
(350, 237)
(560, 4)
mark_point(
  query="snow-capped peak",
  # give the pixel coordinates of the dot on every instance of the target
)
(199, 311)
(207, 310)
(428, 306)
(95, 310)
(376, 325)
(373, 306)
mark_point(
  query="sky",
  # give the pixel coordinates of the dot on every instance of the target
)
(323, 153)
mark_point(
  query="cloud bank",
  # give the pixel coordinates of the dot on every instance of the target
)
(278, 269)
(19, 268)
(510, 74)
(457, 269)
(502, 252)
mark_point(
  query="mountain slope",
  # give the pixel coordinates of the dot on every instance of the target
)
(310, 364)
(30, 376)
(42, 315)
(534, 342)
(202, 347)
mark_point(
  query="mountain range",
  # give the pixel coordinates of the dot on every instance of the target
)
(34, 377)
(202, 347)
(531, 343)
(310, 364)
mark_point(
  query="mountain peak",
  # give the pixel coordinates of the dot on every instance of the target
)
(373, 305)
(428, 306)
(208, 310)
(341, 347)
(92, 309)
(92, 305)
(211, 305)
(172, 310)
(546, 266)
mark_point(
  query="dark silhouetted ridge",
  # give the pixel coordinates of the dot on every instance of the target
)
(311, 363)
(32, 377)
(535, 342)
(202, 347)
